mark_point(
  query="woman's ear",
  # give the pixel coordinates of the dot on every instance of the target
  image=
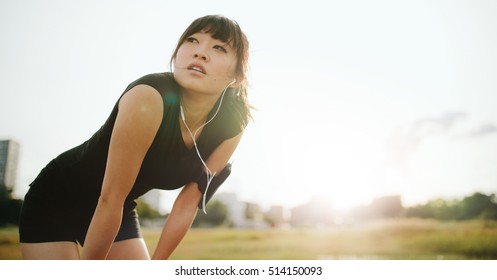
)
(237, 81)
(233, 83)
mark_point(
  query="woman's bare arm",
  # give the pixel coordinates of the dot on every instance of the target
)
(140, 115)
(185, 207)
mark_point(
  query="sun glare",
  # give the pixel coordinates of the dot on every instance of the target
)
(344, 165)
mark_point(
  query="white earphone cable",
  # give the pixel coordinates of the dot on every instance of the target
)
(208, 173)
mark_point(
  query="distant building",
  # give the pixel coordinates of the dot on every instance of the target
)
(156, 198)
(317, 212)
(9, 155)
(387, 206)
(254, 216)
(242, 214)
(379, 208)
(236, 208)
(276, 216)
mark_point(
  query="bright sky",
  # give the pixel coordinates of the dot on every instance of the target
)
(356, 99)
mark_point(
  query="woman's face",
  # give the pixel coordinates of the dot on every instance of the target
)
(204, 65)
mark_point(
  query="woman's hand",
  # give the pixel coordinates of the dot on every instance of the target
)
(138, 120)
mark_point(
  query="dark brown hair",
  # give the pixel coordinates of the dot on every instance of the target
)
(228, 31)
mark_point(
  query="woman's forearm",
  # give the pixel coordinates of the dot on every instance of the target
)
(174, 230)
(102, 231)
(178, 223)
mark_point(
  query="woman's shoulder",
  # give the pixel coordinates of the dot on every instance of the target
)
(163, 82)
(160, 81)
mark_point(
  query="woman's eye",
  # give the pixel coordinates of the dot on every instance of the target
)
(192, 40)
(220, 48)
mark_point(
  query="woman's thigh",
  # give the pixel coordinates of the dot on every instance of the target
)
(60, 250)
(130, 249)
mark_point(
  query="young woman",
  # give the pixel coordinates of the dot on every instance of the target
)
(166, 131)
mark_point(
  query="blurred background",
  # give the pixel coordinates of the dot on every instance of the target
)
(375, 124)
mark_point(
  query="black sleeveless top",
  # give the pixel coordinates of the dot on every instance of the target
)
(78, 173)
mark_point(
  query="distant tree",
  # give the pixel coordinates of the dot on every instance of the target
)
(490, 213)
(475, 205)
(419, 211)
(387, 206)
(444, 210)
(10, 208)
(145, 211)
(4, 194)
(439, 209)
(252, 211)
(217, 214)
(9, 211)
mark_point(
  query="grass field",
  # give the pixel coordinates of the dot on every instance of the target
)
(393, 239)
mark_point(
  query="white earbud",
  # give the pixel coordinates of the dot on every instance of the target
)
(182, 113)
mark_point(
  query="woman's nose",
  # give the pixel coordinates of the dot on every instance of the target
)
(201, 54)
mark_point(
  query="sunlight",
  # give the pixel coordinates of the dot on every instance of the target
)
(335, 148)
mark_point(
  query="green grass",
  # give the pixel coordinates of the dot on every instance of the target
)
(9, 244)
(392, 239)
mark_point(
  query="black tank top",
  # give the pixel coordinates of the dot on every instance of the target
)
(78, 173)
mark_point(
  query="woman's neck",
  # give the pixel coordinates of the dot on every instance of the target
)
(196, 108)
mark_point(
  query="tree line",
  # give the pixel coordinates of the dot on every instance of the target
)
(9, 208)
(476, 206)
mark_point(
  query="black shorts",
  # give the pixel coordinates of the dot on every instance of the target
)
(46, 218)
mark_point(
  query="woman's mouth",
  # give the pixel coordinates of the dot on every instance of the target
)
(197, 68)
